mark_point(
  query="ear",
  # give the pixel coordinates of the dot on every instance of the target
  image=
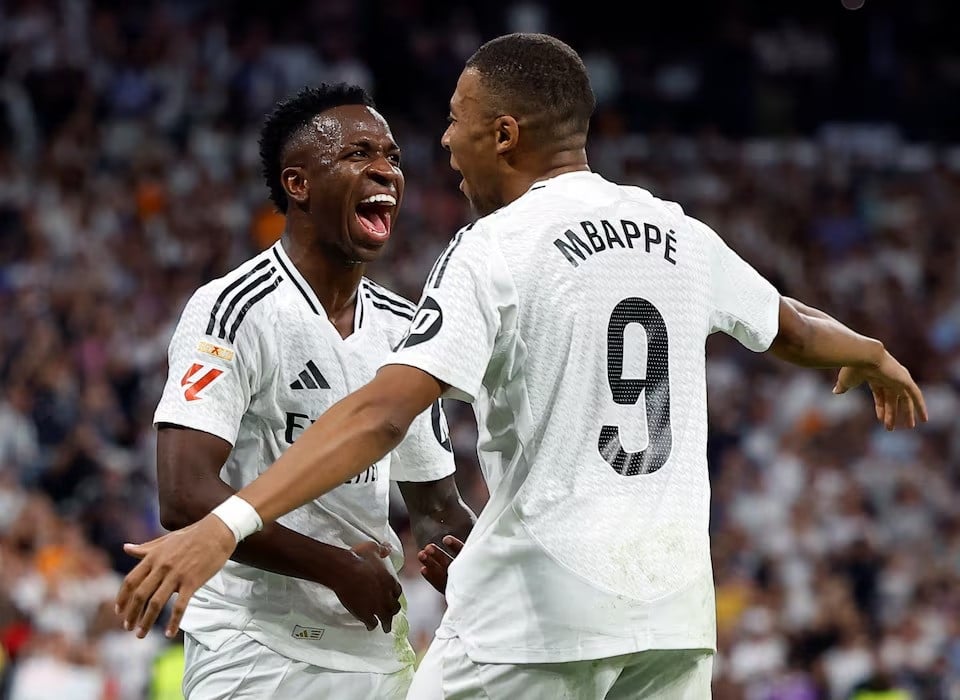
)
(295, 182)
(508, 133)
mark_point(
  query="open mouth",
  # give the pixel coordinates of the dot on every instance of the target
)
(375, 214)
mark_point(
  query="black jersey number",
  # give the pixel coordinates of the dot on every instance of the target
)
(655, 387)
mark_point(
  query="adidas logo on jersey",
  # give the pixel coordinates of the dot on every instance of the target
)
(310, 378)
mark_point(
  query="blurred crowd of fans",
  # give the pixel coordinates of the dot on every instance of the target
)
(129, 176)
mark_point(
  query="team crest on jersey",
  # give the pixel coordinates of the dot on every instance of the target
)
(198, 379)
(425, 324)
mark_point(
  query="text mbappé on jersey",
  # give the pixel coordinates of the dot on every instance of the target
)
(592, 238)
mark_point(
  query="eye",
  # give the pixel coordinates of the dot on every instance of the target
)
(358, 154)
(394, 158)
(450, 119)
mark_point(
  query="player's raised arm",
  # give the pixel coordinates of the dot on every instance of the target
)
(354, 433)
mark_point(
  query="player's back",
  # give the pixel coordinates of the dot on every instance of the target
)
(612, 296)
(592, 417)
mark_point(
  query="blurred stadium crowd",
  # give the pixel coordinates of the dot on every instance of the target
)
(821, 147)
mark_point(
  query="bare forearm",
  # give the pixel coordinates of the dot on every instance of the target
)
(457, 520)
(436, 510)
(275, 548)
(350, 436)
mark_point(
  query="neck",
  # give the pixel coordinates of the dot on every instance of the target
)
(331, 277)
(535, 171)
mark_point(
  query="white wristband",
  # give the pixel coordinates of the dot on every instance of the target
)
(238, 515)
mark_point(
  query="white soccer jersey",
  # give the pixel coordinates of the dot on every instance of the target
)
(255, 361)
(575, 320)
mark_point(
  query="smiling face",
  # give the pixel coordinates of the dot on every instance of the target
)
(471, 138)
(343, 168)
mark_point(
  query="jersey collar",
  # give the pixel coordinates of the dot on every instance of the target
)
(306, 291)
(540, 184)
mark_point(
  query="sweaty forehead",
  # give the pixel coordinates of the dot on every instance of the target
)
(338, 126)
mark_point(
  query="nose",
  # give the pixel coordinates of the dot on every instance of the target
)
(445, 139)
(383, 171)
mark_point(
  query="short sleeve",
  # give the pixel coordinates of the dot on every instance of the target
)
(425, 454)
(210, 380)
(454, 330)
(743, 303)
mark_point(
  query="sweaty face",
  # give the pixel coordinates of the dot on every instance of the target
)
(355, 181)
(471, 139)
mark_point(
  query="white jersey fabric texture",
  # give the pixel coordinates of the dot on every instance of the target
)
(575, 321)
(244, 669)
(255, 360)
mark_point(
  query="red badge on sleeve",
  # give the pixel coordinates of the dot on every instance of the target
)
(198, 378)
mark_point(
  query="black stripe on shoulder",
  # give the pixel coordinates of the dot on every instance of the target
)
(442, 260)
(235, 299)
(295, 282)
(402, 313)
(249, 304)
(226, 292)
(449, 254)
(388, 297)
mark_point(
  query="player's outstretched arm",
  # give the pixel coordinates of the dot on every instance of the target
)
(354, 433)
(810, 338)
(188, 477)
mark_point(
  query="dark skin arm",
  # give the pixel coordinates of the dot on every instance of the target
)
(437, 512)
(355, 432)
(188, 477)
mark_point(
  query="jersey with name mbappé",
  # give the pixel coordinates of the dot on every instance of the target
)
(575, 320)
(254, 360)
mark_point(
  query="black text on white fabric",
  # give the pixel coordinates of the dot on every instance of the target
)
(626, 391)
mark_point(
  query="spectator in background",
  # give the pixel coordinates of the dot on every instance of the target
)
(102, 237)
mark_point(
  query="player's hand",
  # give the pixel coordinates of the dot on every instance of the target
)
(180, 563)
(368, 590)
(897, 399)
(434, 562)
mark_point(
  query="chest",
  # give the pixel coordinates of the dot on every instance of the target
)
(313, 367)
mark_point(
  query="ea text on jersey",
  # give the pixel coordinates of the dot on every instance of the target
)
(588, 238)
(298, 422)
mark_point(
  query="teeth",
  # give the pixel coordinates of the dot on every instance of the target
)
(380, 199)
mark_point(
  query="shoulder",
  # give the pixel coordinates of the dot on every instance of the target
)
(242, 296)
(470, 246)
(386, 302)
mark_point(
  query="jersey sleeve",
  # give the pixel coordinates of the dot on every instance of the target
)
(210, 380)
(743, 303)
(454, 331)
(425, 454)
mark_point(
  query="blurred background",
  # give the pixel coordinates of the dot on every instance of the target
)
(820, 139)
